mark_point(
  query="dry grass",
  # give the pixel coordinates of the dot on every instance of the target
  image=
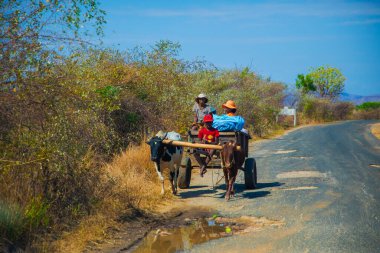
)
(135, 185)
(93, 228)
(135, 177)
(270, 135)
(375, 129)
(366, 114)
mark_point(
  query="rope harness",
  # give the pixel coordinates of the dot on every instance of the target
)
(223, 167)
(231, 164)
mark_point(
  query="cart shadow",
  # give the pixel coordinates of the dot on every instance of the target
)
(219, 191)
(268, 185)
(217, 194)
(254, 194)
(196, 193)
(197, 186)
(239, 187)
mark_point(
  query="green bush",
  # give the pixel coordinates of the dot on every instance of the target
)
(12, 224)
(368, 106)
(17, 224)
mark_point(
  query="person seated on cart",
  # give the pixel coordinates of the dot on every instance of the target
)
(230, 108)
(208, 135)
(201, 109)
(229, 121)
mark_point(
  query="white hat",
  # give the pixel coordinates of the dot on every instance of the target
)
(201, 96)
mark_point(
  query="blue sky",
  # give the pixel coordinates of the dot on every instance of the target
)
(276, 39)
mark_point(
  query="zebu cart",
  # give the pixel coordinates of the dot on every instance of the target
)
(194, 145)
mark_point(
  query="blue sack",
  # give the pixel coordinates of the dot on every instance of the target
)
(226, 123)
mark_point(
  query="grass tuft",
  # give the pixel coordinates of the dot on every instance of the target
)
(134, 185)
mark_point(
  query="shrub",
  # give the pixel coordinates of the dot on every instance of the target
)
(366, 114)
(342, 110)
(12, 225)
(368, 106)
(285, 121)
(319, 110)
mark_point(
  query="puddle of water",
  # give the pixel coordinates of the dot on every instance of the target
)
(301, 174)
(183, 238)
(196, 231)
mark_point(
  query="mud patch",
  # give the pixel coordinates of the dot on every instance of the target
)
(196, 231)
(254, 223)
(134, 228)
(374, 165)
(322, 204)
(301, 174)
(236, 208)
(278, 152)
(334, 194)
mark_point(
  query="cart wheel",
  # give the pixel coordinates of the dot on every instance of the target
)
(184, 174)
(250, 173)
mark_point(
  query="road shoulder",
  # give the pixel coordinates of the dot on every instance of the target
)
(375, 130)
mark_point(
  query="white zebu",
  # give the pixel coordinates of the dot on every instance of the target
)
(165, 156)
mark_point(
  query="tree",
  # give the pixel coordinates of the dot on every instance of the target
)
(305, 84)
(328, 81)
(44, 114)
(31, 30)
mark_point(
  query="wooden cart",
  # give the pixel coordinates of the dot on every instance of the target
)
(192, 146)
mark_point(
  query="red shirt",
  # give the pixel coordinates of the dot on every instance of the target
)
(208, 135)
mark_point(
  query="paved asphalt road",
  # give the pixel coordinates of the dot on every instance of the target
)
(319, 181)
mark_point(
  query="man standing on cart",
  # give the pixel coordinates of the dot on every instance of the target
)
(200, 109)
(208, 135)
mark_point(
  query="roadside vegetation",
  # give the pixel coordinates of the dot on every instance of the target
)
(69, 110)
(66, 121)
(73, 117)
(375, 130)
(367, 110)
(318, 98)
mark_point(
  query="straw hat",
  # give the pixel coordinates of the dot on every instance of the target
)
(230, 104)
(201, 96)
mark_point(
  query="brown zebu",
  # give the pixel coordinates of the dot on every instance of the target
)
(232, 161)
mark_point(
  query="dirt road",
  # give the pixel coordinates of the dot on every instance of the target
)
(322, 182)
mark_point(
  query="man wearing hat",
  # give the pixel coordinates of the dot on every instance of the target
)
(230, 108)
(201, 109)
(229, 121)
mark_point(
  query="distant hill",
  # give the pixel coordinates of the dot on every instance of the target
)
(357, 99)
